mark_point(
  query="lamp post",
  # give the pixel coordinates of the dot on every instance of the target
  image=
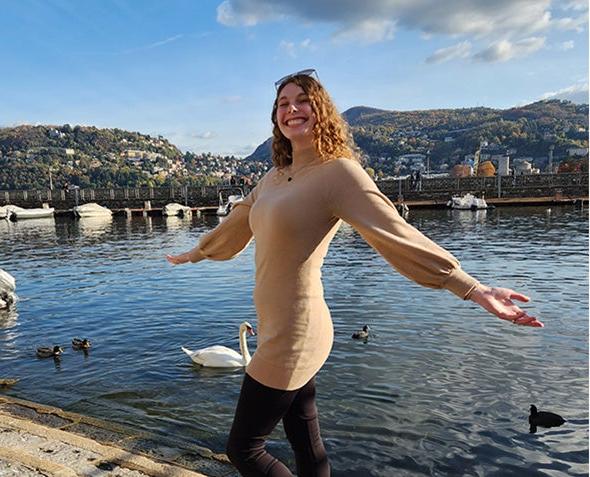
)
(50, 179)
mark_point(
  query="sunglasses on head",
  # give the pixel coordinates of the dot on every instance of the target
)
(308, 72)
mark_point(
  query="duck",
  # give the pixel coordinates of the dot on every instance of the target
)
(543, 419)
(223, 357)
(8, 382)
(362, 334)
(78, 344)
(47, 352)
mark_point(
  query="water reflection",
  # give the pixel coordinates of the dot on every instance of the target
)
(43, 227)
(174, 222)
(467, 217)
(95, 226)
(8, 318)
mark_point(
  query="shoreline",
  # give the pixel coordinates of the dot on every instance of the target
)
(46, 440)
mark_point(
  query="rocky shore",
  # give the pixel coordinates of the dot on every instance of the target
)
(38, 440)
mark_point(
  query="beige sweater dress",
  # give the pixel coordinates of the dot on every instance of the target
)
(293, 222)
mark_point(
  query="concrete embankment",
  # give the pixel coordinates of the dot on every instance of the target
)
(38, 440)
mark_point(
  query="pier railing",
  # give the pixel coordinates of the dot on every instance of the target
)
(537, 185)
(441, 188)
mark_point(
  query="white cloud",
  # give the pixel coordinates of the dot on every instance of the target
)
(246, 12)
(292, 49)
(576, 5)
(504, 50)
(373, 20)
(366, 31)
(577, 93)
(566, 45)
(287, 47)
(460, 50)
(203, 135)
(307, 44)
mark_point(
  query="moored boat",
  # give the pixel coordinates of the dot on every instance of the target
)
(38, 213)
(92, 209)
(467, 202)
(174, 209)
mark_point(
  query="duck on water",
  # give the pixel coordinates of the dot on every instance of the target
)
(543, 419)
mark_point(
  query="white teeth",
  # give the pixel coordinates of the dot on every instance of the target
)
(295, 122)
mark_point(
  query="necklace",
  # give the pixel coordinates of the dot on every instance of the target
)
(292, 173)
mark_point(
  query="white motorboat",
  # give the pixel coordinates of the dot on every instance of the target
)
(38, 213)
(92, 210)
(175, 209)
(227, 202)
(467, 202)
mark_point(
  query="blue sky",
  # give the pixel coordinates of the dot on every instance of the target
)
(201, 72)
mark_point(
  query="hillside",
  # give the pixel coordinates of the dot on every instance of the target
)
(447, 135)
(37, 156)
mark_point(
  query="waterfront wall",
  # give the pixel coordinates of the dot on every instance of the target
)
(538, 185)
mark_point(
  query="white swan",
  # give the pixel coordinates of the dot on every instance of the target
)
(7, 282)
(222, 356)
(7, 287)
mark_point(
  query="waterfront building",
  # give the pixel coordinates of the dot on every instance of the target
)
(503, 165)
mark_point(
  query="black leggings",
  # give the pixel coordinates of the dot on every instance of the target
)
(259, 410)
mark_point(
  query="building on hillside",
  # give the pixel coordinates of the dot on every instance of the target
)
(413, 161)
(503, 165)
(524, 166)
(577, 151)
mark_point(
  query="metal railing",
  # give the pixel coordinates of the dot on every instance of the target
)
(499, 186)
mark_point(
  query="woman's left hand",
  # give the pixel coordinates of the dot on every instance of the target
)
(498, 301)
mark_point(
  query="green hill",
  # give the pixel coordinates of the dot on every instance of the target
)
(447, 135)
(32, 156)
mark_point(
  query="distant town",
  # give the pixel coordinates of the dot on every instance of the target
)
(543, 137)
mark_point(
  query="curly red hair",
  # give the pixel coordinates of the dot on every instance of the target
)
(332, 137)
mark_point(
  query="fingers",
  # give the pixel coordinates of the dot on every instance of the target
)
(172, 259)
(512, 315)
(528, 320)
(518, 296)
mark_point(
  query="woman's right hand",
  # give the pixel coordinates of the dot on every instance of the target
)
(178, 259)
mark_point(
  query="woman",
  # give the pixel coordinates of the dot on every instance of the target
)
(294, 212)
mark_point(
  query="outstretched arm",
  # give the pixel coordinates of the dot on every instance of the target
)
(498, 301)
(224, 242)
(356, 199)
(228, 239)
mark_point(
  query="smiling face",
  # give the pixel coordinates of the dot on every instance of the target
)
(294, 115)
(304, 116)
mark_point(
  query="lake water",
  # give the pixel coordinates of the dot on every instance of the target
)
(442, 388)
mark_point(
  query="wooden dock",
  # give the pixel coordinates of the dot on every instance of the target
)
(504, 202)
(581, 202)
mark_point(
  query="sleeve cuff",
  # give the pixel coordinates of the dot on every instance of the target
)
(460, 283)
